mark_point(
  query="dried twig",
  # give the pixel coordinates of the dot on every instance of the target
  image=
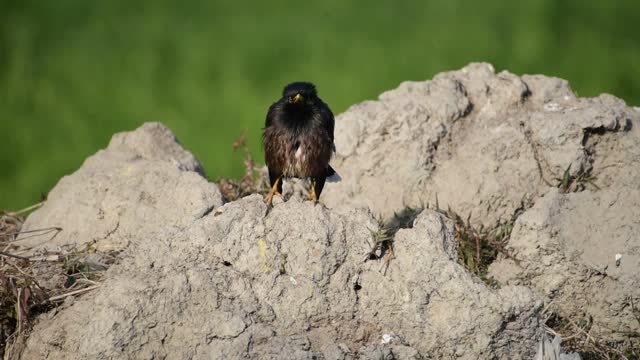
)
(13, 255)
(37, 232)
(71, 293)
(250, 183)
(75, 274)
(27, 209)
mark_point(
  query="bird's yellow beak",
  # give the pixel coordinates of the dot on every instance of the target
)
(297, 98)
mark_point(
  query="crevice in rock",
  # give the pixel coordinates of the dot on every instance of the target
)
(112, 231)
(588, 132)
(541, 162)
(207, 211)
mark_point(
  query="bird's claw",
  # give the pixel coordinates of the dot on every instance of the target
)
(274, 190)
(313, 196)
(269, 199)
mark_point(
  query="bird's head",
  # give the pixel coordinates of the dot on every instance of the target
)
(299, 93)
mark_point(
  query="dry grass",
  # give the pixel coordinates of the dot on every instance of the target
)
(252, 182)
(33, 282)
(478, 247)
(578, 336)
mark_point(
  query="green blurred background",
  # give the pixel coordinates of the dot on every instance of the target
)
(73, 72)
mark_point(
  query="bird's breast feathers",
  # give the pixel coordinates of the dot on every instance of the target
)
(305, 156)
(296, 164)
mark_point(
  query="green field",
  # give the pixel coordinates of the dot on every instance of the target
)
(73, 72)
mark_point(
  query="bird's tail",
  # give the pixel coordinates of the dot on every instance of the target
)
(332, 175)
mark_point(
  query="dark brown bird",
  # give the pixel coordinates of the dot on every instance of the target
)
(298, 139)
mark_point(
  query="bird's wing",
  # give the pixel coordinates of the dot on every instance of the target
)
(332, 175)
(328, 120)
(274, 109)
(273, 112)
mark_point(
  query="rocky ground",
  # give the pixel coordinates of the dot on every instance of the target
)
(196, 278)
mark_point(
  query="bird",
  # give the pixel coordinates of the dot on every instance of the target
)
(298, 140)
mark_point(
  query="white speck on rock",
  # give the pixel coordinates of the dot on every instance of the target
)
(552, 106)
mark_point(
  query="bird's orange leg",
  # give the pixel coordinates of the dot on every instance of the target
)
(312, 194)
(274, 190)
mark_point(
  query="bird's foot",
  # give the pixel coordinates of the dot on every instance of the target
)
(274, 190)
(312, 192)
(269, 201)
(270, 197)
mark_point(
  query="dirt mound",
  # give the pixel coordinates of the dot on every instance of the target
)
(198, 279)
(297, 283)
(495, 145)
(143, 181)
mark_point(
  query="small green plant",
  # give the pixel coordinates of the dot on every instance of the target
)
(478, 247)
(573, 183)
(384, 235)
(382, 247)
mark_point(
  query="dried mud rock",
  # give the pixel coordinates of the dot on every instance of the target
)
(238, 282)
(482, 143)
(291, 284)
(494, 145)
(143, 181)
